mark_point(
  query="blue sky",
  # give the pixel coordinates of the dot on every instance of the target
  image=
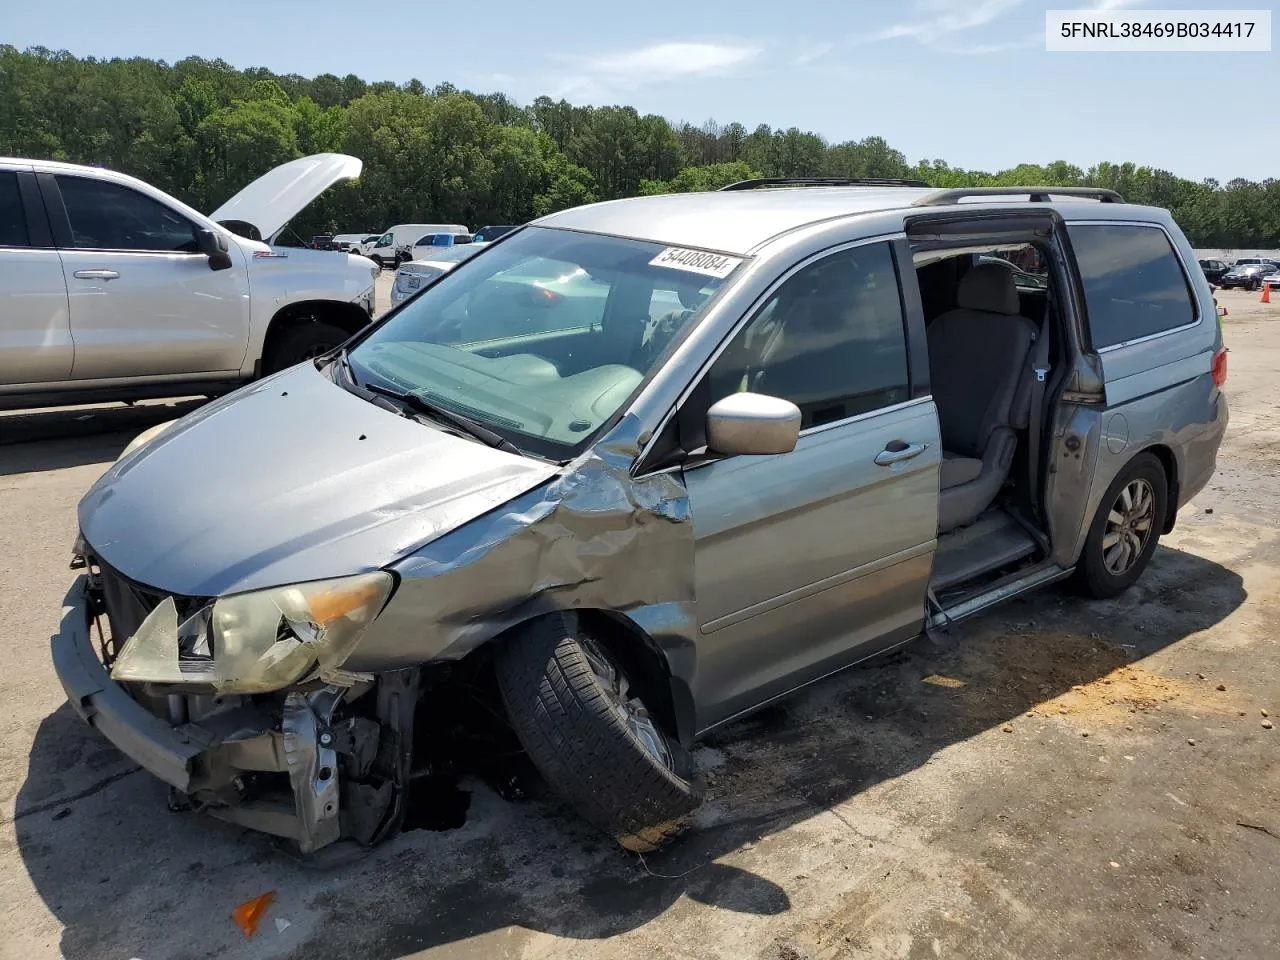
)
(967, 81)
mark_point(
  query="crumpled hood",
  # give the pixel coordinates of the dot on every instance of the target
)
(287, 480)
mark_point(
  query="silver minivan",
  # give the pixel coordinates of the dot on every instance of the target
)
(641, 468)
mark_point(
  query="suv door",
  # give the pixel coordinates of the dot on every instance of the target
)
(143, 299)
(35, 332)
(809, 561)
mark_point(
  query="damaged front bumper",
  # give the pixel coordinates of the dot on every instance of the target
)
(279, 764)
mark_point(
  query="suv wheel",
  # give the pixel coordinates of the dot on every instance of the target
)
(591, 737)
(1126, 528)
(304, 342)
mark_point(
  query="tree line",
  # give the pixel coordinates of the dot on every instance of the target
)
(202, 129)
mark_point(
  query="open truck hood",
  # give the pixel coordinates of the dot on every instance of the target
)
(290, 479)
(279, 195)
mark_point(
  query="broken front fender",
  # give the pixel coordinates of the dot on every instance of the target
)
(595, 538)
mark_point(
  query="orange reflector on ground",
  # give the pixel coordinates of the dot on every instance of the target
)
(249, 914)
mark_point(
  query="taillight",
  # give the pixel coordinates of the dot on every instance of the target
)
(1220, 367)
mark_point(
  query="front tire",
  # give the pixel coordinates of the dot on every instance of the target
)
(304, 343)
(377, 258)
(596, 744)
(1126, 529)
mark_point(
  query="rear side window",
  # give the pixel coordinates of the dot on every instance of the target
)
(1133, 283)
(108, 216)
(13, 222)
(831, 340)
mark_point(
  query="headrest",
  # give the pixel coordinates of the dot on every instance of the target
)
(988, 287)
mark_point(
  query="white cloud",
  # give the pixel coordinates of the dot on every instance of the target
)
(663, 61)
(934, 21)
(813, 53)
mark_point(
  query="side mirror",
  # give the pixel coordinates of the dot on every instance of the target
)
(752, 424)
(214, 246)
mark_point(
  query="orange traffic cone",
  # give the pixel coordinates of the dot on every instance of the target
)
(1266, 292)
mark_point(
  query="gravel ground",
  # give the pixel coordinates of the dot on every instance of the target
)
(1071, 779)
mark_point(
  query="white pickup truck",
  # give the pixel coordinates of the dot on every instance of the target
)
(112, 290)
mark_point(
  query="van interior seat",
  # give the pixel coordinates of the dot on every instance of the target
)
(979, 365)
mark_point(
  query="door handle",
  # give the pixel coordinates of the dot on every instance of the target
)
(97, 275)
(898, 450)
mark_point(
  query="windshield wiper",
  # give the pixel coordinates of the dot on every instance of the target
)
(420, 404)
(346, 367)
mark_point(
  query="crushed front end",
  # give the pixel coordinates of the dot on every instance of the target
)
(322, 757)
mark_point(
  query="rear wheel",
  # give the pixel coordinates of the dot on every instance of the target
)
(591, 737)
(1126, 528)
(304, 343)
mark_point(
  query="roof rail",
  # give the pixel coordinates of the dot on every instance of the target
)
(1037, 194)
(761, 182)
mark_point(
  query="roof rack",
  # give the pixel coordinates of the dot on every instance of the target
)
(762, 182)
(1037, 194)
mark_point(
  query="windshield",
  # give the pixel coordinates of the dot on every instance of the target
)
(546, 336)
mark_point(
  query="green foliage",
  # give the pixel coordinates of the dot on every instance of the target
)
(202, 129)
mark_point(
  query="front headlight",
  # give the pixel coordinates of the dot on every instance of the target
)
(256, 642)
(146, 436)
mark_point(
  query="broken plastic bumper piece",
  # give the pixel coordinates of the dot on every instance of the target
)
(208, 761)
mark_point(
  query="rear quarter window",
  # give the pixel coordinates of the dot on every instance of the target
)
(1134, 284)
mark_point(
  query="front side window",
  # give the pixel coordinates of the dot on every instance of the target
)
(1133, 283)
(545, 337)
(109, 216)
(13, 222)
(385, 240)
(831, 340)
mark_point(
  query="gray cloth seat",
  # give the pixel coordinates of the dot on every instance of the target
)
(979, 366)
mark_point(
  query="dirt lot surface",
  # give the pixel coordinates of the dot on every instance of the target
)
(1070, 780)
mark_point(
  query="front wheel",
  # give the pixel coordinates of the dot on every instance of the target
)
(377, 258)
(304, 343)
(591, 737)
(1126, 529)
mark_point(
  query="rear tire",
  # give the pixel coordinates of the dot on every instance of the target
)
(596, 746)
(1126, 529)
(303, 343)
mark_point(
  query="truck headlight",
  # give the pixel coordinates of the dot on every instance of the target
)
(256, 642)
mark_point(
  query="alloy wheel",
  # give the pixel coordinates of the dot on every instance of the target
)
(1128, 527)
(629, 708)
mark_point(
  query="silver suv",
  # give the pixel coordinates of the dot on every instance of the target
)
(638, 470)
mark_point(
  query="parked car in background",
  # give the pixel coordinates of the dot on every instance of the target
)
(491, 232)
(536, 502)
(350, 242)
(324, 242)
(417, 273)
(426, 245)
(1253, 261)
(1247, 276)
(114, 290)
(393, 247)
(1213, 270)
(1021, 278)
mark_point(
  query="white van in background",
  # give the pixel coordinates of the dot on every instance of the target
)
(392, 248)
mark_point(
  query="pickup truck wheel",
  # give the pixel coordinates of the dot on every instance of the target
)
(592, 738)
(303, 343)
(1125, 530)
